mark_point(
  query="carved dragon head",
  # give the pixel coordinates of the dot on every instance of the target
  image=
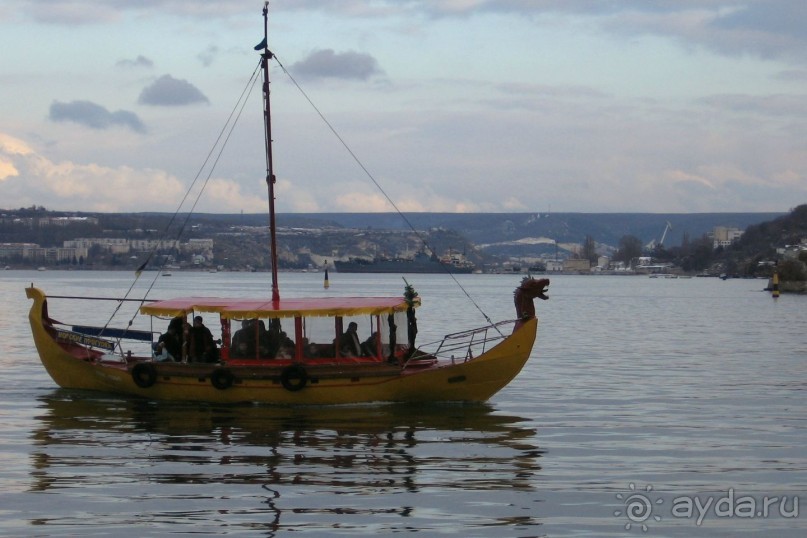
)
(529, 289)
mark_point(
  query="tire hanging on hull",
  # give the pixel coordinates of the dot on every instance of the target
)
(144, 375)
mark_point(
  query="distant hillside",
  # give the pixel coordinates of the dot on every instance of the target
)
(490, 228)
(763, 242)
(485, 238)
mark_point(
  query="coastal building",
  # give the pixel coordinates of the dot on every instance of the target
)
(577, 265)
(31, 252)
(722, 236)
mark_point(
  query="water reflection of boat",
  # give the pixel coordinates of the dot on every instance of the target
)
(377, 439)
(200, 468)
(289, 351)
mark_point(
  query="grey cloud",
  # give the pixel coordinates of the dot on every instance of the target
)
(772, 29)
(208, 55)
(794, 106)
(767, 29)
(84, 12)
(140, 61)
(793, 75)
(169, 91)
(94, 116)
(344, 65)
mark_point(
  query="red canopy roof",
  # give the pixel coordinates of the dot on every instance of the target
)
(285, 308)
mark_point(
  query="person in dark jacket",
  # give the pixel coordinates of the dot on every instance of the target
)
(202, 345)
(169, 345)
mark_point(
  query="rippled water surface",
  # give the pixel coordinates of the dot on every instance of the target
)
(642, 397)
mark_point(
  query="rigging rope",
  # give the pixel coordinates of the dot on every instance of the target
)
(232, 121)
(419, 234)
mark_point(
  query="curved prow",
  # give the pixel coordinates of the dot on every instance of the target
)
(41, 324)
(529, 289)
(39, 308)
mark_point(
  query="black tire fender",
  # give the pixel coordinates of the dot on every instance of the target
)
(144, 374)
(294, 378)
(222, 378)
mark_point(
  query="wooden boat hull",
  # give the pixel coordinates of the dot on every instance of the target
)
(75, 367)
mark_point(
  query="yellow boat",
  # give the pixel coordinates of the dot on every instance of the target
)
(319, 361)
(467, 366)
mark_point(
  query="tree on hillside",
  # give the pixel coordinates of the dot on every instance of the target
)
(630, 247)
(589, 251)
(792, 270)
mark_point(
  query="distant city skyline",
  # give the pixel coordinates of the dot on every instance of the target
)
(475, 106)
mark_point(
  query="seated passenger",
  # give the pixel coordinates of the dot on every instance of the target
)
(349, 344)
(243, 341)
(369, 348)
(203, 347)
(310, 349)
(277, 338)
(169, 345)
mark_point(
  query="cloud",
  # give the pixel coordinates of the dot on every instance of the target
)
(94, 116)
(227, 196)
(208, 55)
(792, 75)
(769, 29)
(85, 12)
(169, 91)
(344, 65)
(772, 29)
(140, 61)
(794, 106)
(39, 180)
(295, 198)
(355, 202)
(29, 177)
(9, 147)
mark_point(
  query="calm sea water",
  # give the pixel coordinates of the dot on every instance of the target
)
(675, 406)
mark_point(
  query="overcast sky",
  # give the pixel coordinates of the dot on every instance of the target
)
(451, 105)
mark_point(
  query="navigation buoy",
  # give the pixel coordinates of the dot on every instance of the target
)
(775, 287)
(327, 284)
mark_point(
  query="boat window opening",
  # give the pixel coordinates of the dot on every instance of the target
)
(276, 338)
(393, 333)
(333, 337)
(318, 337)
(261, 338)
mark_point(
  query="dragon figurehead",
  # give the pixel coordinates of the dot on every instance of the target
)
(529, 289)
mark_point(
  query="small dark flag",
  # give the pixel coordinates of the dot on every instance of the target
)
(261, 45)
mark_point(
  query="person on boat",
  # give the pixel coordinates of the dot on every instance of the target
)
(310, 349)
(276, 340)
(369, 348)
(349, 343)
(203, 346)
(265, 347)
(169, 344)
(243, 342)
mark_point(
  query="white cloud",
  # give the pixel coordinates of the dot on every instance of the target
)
(226, 196)
(355, 202)
(32, 178)
(10, 146)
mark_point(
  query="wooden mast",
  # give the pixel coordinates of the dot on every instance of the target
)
(266, 55)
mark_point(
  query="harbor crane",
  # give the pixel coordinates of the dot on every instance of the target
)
(653, 245)
(663, 235)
